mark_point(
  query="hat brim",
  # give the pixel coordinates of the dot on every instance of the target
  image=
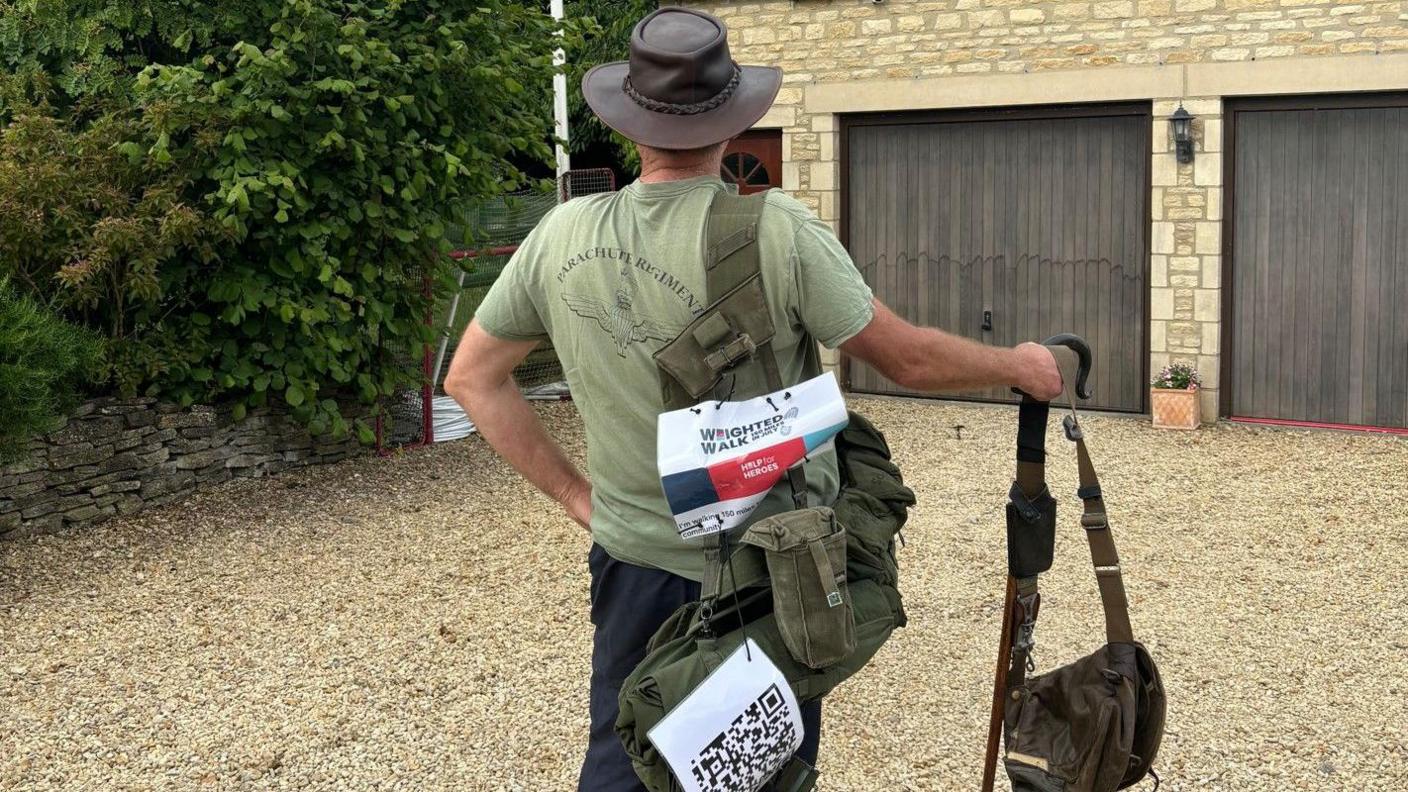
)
(757, 88)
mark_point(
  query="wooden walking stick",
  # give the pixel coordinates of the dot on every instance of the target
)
(1031, 532)
(999, 687)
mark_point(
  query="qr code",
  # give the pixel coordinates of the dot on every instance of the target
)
(751, 750)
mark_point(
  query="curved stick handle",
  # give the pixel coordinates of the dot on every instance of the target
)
(1076, 344)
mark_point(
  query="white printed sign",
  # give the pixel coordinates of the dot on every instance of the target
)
(736, 730)
(719, 460)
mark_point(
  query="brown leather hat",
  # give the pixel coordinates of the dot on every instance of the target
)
(680, 89)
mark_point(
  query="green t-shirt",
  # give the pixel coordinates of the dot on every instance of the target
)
(610, 279)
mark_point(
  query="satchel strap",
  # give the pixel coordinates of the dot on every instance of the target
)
(1093, 517)
(1102, 543)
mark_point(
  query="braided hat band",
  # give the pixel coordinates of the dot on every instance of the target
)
(693, 108)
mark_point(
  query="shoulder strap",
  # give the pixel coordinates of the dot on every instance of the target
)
(730, 250)
(732, 257)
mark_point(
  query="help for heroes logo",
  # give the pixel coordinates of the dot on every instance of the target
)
(716, 439)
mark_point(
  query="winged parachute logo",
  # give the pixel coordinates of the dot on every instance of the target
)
(618, 318)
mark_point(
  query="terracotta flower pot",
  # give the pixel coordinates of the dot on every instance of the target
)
(1175, 409)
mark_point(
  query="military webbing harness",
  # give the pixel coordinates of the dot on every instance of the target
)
(786, 582)
(735, 329)
(1094, 725)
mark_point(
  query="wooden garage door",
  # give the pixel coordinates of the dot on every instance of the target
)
(1319, 261)
(1007, 229)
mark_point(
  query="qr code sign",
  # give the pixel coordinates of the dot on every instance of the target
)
(754, 747)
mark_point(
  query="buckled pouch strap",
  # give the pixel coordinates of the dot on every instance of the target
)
(825, 572)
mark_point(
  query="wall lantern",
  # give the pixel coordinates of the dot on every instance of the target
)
(1182, 123)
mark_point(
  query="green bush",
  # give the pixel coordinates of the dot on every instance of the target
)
(44, 361)
(286, 170)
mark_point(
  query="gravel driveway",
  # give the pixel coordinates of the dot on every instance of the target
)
(420, 622)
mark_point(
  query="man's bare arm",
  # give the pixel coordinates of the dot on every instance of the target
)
(926, 359)
(481, 380)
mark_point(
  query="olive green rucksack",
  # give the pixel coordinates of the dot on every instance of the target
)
(815, 588)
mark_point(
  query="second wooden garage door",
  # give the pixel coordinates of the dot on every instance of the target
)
(1008, 229)
(1319, 261)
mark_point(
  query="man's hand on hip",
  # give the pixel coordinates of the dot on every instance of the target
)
(481, 380)
(578, 503)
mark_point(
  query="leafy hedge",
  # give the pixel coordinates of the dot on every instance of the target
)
(249, 197)
(43, 362)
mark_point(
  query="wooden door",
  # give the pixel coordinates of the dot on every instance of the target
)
(1318, 261)
(1008, 227)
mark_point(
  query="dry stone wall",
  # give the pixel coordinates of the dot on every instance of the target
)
(117, 457)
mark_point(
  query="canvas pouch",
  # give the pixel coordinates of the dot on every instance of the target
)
(726, 334)
(806, 558)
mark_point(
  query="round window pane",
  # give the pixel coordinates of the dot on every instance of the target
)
(745, 169)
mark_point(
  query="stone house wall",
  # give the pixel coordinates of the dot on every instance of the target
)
(847, 56)
(117, 457)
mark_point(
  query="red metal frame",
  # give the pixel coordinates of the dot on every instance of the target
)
(502, 250)
(428, 357)
(427, 361)
(1401, 431)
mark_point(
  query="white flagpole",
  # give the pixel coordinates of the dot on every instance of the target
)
(559, 103)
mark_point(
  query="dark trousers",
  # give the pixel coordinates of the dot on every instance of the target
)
(629, 603)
